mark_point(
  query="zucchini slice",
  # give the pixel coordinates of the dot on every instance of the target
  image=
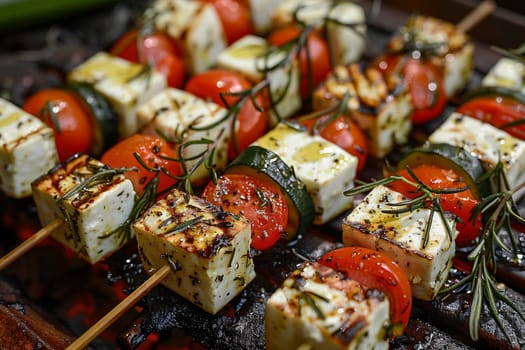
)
(494, 91)
(103, 116)
(259, 161)
(452, 157)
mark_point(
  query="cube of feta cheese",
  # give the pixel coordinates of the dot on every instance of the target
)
(452, 51)
(210, 249)
(27, 150)
(344, 21)
(487, 143)
(177, 114)
(382, 109)
(125, 84)
(261, 14)
(252, 57)
(318, 308)
(325, 168)
(196, 28)
(91, 199)
(507, 73)
(401, 236)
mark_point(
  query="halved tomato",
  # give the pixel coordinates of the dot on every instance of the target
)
(423, 80)
(260, 201)
(252, 122)
(314, 57)
(155, 48)
(153, 151)
(65, 113)
(375, 270)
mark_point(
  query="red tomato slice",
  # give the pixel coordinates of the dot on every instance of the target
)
(314, 58)
(345, 133)
(375, 271)
(258, 200)
(497, 111)
(461, 203)
(251, 124)
(424, 82)
(151, 150)
(235, 18)
(74, 132)
(157, 49)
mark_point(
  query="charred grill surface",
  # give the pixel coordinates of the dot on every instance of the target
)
(38, 58)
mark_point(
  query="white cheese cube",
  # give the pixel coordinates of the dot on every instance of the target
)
(381, 109)
(318, 308)
(125, 84)
(27, 150)
(195, 26)
(507, 73)
(209, 247)
(261, 14)
(243, 56)
(250, 56)
(347, 42)
(452, 50)
(177, 114)
(92, 201)
(401, 236)
(325, 168)
(487, 143)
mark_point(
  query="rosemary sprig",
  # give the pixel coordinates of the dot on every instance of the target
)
(48, 113)
(498, 210)
(517, 54)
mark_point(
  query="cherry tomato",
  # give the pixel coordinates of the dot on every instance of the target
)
(65, 113)
(314, 57)
(375, 270)
(345, 133)
(157, 49)
(235, 18)
(260, 201)
(460, 204)
(424, 82)
(497, 111)
(251, 123)
(151, 150)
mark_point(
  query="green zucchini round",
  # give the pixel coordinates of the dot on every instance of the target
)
(104, 117)
(259, 161)
(452, 157)
(494, 91)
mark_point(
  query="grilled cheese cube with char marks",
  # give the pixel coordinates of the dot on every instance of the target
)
(196, 28)
(344, 21)
(27, 149)
(173, 113)
(487, 143)
(251, 57)
(325, 168)
(91, 199)
(508, 73)
(401, 237)
(451, 49)
(319, 308)
(125, 84)
(380, 107)
(209, 249)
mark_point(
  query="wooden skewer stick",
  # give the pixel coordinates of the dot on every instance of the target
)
(25, 246)
(476, 16)
(120, 309)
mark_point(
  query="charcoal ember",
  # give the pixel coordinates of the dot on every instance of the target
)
(451, 313)
(423, 335)
(25, 325)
